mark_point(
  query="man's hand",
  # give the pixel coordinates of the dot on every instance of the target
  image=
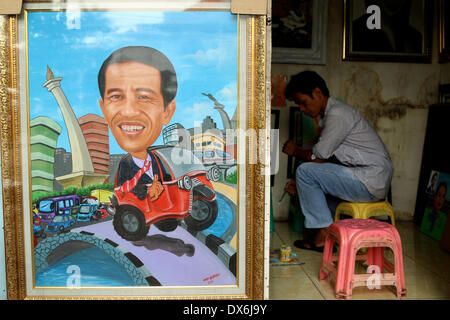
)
(290, 148)
(291, 188)
(155, 189)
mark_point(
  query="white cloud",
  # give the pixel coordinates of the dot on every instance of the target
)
(92, 41)
(39, 110)
(89, 40)
(206, 57)
(228, 93)
(121, 22)
(36, 105)
(199, 108)
(216, 53)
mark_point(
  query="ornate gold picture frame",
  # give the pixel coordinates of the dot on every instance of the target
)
(444, 46)
(21, 204)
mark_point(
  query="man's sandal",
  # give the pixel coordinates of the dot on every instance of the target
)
(307, 245)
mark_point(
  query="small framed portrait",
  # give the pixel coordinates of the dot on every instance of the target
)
(432, 183)
(397, 31)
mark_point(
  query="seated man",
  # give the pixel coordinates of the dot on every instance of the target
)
(350, 161)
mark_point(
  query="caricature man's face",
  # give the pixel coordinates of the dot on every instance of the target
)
(439, 198)
(133, 106)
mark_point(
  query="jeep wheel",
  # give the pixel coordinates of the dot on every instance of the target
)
(203, 214)
(129, 223)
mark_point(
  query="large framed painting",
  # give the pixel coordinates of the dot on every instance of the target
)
(299, 31)
(389, 31)
(134, 150)
(444, 31)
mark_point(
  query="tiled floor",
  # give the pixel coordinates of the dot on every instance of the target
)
(426, 267)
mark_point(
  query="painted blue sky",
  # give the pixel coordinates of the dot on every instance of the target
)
(202, 46)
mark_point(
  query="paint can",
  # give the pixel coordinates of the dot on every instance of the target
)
(285, 253)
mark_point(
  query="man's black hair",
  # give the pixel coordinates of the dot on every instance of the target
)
(148, 56)
(305, 82)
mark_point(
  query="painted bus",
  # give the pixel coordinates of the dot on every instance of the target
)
(49, 207)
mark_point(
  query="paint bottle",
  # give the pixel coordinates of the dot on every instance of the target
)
(285, 254)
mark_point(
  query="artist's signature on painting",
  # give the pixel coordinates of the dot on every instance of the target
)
(210, 279)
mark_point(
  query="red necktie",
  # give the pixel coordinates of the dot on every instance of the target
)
(128, 185)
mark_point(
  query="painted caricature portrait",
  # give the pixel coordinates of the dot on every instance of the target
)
(112, 193)
(137, 87)
(436, 212)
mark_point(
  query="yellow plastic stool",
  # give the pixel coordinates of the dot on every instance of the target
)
(365, 210)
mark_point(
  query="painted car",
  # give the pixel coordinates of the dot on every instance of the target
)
(85, 211)
(92, 200)
(60, 223)
(102, 212)
(188, 194)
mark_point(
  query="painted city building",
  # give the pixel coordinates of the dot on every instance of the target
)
(95, 131)
(44, 133)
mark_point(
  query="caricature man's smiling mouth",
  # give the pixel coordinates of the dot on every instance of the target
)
(131, 128)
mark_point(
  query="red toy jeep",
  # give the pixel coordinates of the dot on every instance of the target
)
(188, 194)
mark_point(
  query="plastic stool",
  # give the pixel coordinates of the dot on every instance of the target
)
(365, 210)
(351, 235)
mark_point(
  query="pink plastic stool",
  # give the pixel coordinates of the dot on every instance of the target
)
(351, 235)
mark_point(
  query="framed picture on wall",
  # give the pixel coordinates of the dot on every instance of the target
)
(397, 31)
(444, 31)
(96, 86)
(299, 31)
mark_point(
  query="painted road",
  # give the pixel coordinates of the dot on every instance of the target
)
(174, 258)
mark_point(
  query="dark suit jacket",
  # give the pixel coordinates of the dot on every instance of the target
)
(127, 170)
